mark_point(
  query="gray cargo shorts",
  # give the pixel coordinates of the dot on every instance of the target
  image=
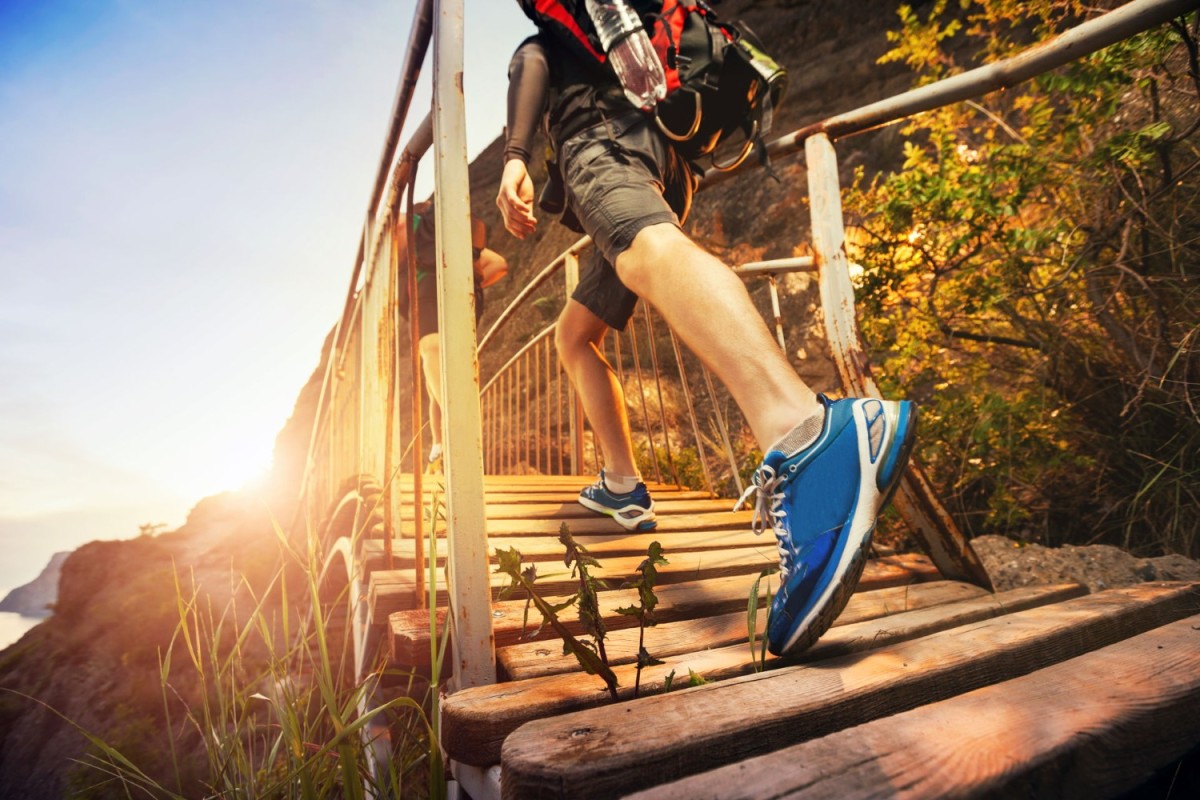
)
(621, 176)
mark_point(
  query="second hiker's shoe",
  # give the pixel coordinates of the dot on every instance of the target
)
(434, 465)
(822, 502)
(633, 511)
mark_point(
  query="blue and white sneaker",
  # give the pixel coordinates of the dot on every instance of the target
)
(633, 511)
(822, 502)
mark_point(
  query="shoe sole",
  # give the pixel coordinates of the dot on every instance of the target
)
(900, 419)
(640, 525)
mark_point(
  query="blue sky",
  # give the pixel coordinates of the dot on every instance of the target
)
(182, 186)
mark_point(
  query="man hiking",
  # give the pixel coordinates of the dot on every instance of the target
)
(830, 465)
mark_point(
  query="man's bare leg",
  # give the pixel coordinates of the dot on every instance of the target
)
(709, 307)
(578, 337)
(431, 364)
(620, 494)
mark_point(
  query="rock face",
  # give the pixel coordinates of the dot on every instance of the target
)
(36, 598)
(96, 661)
(1011, 563)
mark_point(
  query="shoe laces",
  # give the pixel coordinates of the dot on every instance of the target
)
(767, 487)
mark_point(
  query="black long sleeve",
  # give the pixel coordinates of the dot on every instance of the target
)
(528, 81)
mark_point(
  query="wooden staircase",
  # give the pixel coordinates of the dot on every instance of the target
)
(923, 688)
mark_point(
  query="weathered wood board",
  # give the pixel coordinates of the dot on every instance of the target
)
(1093, 726)
(705, 591)
(605, 751)
(477, 720)
(537, 659)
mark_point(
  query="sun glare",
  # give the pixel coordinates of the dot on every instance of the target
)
(232, 463)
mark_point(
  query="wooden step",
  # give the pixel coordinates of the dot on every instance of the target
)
(1093, 726)
(409, 630)
(609, 751)
(568, 509)
(524, 483)
(596, 525)
(476, 721)
(567, 495)
(602, 545)
(391, 591)
(537, 659)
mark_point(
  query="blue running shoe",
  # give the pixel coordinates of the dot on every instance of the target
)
(822, 502)
(633, 511)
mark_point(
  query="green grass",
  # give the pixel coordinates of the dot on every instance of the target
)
(261, 700)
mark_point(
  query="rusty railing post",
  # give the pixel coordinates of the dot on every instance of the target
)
(915, 501)
(470, 586)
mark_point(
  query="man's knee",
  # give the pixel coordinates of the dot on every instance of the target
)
(576, 333)
(651, 249)
(430, 347)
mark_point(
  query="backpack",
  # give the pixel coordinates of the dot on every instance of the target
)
(719, 79)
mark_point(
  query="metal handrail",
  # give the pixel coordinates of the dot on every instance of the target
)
(533, 285)
(545, 332)
(1088, 37)
(418, 44)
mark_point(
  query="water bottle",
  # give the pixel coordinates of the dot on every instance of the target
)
(629, 52)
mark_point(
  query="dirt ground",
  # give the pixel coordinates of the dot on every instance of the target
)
(1011, 564)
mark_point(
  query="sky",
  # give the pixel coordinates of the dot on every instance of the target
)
(182, 189)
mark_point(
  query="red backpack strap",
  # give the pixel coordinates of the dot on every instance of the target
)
(666, 38)
(668, 32)
(559, 17)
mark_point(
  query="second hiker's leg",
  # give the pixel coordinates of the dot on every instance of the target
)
(431, 364)
(578, 337)
(618, 491)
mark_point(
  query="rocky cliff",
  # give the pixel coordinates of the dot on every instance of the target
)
(96, 661)
(35, 598)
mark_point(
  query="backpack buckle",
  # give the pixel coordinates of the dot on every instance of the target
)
(695, 125)
(737, 160)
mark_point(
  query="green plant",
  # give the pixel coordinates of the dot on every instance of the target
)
(509, 563)
(644, 610)
(1029, 275)
(760, 657)
(267, 698)
(590, 653)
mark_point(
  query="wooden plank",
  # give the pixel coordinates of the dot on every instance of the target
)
(1092, 726)
(390, 591)
(620, 543)
(568, 508)
(409, 629)
(539, 659)
(530, 479)
(479, 722)
(563, 496)
(526, 483)
(596, 524)
(607, 751)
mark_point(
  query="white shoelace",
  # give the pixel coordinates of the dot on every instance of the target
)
(768, 510)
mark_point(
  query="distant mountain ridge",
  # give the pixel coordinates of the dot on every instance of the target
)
(37, 598)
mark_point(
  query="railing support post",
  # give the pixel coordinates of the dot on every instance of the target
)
(574, 401)
(915, 500)
(470, 588)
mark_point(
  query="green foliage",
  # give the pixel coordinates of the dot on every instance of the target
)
(590, 653)
(647, 577)
(760, 657)
(264, 697)
(1030, 278)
